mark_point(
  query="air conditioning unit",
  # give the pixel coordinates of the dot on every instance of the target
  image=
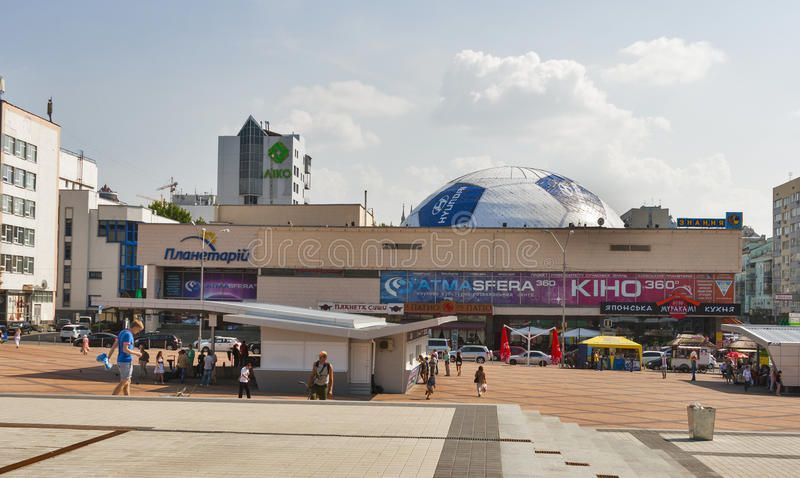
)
(386, 344)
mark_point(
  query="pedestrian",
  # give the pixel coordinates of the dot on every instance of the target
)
(17, 336)
(778, 383)
(182, 365)
(430, 385)
(747, 376)
(235, 352)
(434, 363)
(123, 345)
(595, 361)
(425, 370)
(208, 366)
(459, 362)
(664, 366)
(159, 370)
(321, 379)
(480, 381)
(85, 344)
(693, 360)
(447, 363)
(201, 361)
(190, 361)
(244, 379)
(144, 359)
(244, 353)
(773, 371)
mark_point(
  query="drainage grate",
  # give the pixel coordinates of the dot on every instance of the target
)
(607, 476)
(575, 463)
(548, 452)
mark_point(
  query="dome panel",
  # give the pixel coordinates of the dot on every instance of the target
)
(516, 196)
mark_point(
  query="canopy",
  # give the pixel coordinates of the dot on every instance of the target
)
(743, 344)
(613, 342)
(530, 330)
(579, 332)
(692, 340)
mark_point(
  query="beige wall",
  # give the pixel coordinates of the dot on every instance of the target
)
(337, 215)
(309, 291)
(673, 250)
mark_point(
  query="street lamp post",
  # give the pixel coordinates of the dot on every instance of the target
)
(563, 288)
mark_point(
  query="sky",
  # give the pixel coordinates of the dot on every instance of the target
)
(690, 105)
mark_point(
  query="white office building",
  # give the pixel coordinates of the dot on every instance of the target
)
(29, 217)
(259, 166)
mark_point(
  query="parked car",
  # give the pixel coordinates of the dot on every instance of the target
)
(158, 340)
(652, 358)
(515, 350)
(62, 322)
(438, 345)
(255, 348)
(478, 353)
(71, 332)
(221, 344)
(97, 339)
(25, 326)
(536, 357)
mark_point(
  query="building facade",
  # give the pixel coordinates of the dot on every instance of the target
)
(259, 166)
(645, 283)
(754, 284)
(97, 250)
(786, 246)
(29, 217)
(648, 217)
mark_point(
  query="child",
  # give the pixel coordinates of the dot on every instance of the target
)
(480, 381)
(430, 385)
(159, 371)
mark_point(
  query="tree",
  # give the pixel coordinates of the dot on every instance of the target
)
(171, 211)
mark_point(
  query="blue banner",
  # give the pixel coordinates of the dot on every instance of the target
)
(451, 207)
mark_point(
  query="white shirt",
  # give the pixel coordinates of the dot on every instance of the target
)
(244, 375)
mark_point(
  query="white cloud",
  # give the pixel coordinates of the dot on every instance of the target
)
(331, 116)
(666, 61)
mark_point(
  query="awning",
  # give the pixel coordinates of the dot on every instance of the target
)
(463, 326)
(613, 342)
(580, 332)
(529, 331)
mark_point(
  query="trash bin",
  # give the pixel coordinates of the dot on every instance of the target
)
(701, 421)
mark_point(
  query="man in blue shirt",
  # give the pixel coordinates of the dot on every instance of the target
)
(123, 344)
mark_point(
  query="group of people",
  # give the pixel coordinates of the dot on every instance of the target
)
(429, 369)
(17, 336)
(750, 375)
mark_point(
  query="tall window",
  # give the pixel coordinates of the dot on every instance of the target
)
(68, 227)
(251, 159)
(65, 297)
(67, 274)
(8, 174)
(67, 251)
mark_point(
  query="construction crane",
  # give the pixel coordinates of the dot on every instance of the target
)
(171, 186)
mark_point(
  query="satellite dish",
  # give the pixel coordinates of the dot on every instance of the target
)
(44, 284)
(601, 221)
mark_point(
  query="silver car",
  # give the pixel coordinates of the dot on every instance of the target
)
(478, 353)
(537, 358)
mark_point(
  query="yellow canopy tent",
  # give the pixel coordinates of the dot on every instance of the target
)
(613, 342)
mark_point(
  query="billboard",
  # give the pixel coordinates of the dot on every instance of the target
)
(451, 207)
(228, 286)
(583, 289)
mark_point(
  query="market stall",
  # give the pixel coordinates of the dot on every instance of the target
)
(613, 343)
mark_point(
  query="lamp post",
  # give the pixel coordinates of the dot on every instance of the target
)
(563, 288)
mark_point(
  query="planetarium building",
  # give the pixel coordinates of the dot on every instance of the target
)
(507, 245)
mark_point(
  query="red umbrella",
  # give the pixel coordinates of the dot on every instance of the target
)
(737, 355)
(555, 348)
(505, 349)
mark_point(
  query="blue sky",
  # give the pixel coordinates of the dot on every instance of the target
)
(691, 105)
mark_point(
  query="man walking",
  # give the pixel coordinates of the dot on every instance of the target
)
(208, 367)
(123, 345)
(693, 360)
(244, 379)
(664, 366)
(321, 379)
(447, 363)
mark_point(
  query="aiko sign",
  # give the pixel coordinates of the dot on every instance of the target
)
(228, 286)
(545, 288)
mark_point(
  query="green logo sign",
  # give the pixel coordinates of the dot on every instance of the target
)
(278, 152)
(278, 173)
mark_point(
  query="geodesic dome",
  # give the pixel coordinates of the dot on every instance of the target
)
(513, 196)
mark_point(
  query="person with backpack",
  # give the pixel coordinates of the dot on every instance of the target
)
(321, 380)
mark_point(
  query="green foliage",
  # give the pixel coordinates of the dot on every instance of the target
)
(171, 211)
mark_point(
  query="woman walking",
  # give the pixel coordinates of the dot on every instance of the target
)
(159, 370)
(459, 361)
(430, 385)
(85, 344)
(18, 336)
(480, 381)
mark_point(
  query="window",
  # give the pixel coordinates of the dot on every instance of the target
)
(249, 199)
(8, 144)
(19, 149)
(67, 251)
(65, 298)
(68, 227)
(102, 229)
(19, 178)
(8, 174)
(67, 274)
(6, 260)
(30, 181)
(19, 235)
(8, 203)
(30, 237)
(29, 265)
(30, 153)
(30, 208)
(18, 265)
(95, 274)
(7, 233)
(19, 206)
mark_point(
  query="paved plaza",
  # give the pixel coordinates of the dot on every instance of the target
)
(58, 418)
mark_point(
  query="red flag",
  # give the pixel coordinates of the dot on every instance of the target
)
(555, 348)
(505, 349)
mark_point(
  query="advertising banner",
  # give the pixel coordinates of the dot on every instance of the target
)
(451, 207)
(583, 289)
(227, 286)
(672, 308)
(390, 309)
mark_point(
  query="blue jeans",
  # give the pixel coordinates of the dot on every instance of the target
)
(182, 374)
(206, 378)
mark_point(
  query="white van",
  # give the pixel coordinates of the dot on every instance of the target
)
(72, 332)
(439, 346)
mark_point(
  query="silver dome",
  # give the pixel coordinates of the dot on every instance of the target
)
(515, 197)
